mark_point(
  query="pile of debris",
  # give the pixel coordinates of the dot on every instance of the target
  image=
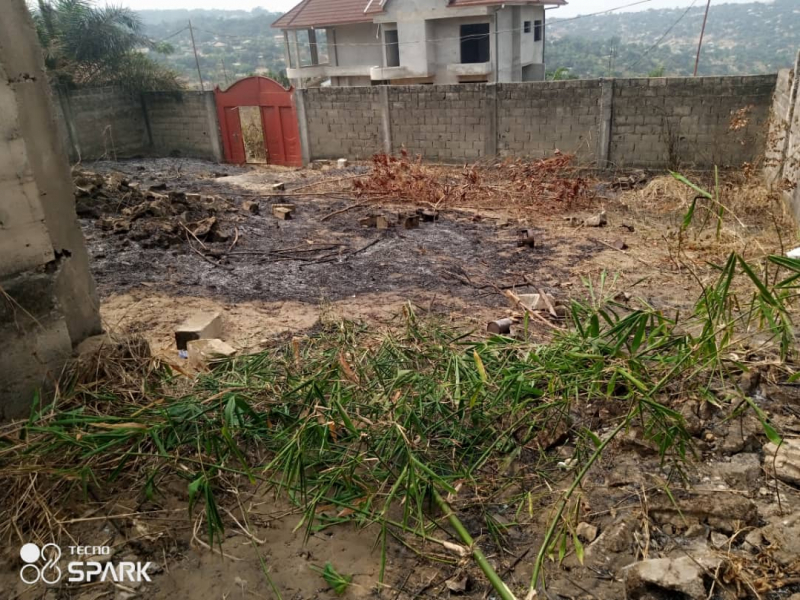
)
(551, 178)
(553, 181)
(156, 216)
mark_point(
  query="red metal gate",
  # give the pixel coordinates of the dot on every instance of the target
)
(278, 120)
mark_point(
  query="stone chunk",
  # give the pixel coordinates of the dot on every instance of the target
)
(197, 327)
(722, 511)
(282, 211)
(599, 220)
(342, 163)
(586, 531)
(251, 206)
(208, 351)
(785, 461)
(671, 576)
(742, 472)
(278, 187)
(535, 301)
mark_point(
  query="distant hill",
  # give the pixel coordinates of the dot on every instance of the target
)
(740, 39)
(231, 44)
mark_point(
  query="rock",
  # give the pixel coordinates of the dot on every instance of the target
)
(382, 222)
(251, 206)
(783, 536)
(616, 538)
(691, 421)
(619, 244)
(368, 221)
(95, 344)
(342, 163)
(754, 539)
(409, 221)
(740, 435)
(670, 575)
(599, 220)
(282, 211)
(586, 531)
(696, 530)
(742, 472)
(536, 301)
(724, 511)
(526, 238)
(197, 327)
(278, 187)
(749, 382)
(784, 462)
(457, 584)
(430, 215)
(719, 540)
(208, 352)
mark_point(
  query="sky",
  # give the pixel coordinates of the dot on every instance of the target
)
(574, 8)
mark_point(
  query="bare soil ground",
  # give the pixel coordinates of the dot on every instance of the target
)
(277, 279)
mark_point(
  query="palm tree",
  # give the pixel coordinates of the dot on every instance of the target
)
(86, 46)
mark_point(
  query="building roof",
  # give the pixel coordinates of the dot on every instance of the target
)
(490, 2)
(318, 13)
(315, 13)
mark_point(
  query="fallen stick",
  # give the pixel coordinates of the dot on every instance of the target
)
(607, 245)
(338, 212)
(480, 558)
(312, 184)
(518, 303)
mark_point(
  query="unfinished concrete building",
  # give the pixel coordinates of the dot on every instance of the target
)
(47, 296)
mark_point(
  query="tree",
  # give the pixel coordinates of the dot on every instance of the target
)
(85, 46)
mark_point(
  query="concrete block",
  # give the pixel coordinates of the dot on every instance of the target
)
(208, 352)
(197, 327)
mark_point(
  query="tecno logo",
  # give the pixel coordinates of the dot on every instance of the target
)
(31, 572)
(43, 565)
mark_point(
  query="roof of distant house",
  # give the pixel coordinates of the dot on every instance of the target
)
(318, 13)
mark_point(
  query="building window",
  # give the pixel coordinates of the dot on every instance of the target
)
(392, 48)
(537, 31)
(526, 27)
(475, 43)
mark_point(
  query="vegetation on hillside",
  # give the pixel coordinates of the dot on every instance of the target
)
(230, 44)
(88, 46)
(740, 39)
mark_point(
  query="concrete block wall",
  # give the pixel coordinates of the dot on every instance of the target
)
(103, 122)
(182, 124)
(443, 122)
(535, 119)
(343, 121)
(687, 121)
(48, 302)
(658, 122)
(113, 123)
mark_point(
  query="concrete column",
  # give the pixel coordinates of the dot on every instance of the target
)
(312, 45)
(604, 126)
(302, 124)
(214, 134)
(386, 118)
(490, 120)
(43, 261)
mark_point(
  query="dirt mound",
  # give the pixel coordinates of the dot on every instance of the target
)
(156, 217)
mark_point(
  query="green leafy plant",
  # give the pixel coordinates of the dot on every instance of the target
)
(338, 582)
